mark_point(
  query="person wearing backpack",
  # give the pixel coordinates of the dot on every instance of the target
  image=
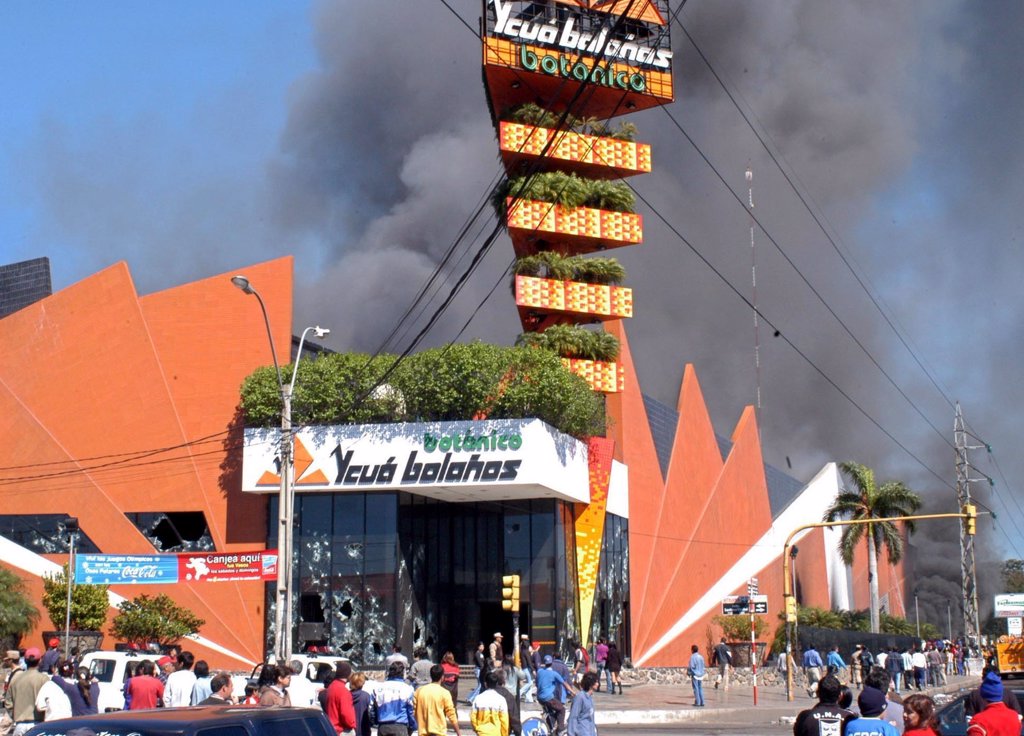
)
(582, 662)
(722, 657)
(867, 661)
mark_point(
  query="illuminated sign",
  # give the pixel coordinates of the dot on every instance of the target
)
(568, 34)
(453, 461)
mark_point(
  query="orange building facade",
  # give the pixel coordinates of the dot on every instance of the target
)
(118, 407)
(114, 405)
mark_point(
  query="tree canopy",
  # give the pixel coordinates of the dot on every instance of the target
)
(867, 503)
(159, 619)
(460, 382)
(1013, 576)
(17, 614)
(89, 603)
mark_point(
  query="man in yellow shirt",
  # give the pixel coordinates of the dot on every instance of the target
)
(432, 704)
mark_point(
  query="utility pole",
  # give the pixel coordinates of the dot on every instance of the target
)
(968, 577)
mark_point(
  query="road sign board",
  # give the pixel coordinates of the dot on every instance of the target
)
(1009, 604)
(735, 605)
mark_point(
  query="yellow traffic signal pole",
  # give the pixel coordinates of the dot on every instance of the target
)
(510, 602)
(969, 515)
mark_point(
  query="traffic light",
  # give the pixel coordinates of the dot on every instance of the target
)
(510, 593)
(971, 512)
(791, 609)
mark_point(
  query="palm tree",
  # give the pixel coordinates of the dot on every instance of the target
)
(871, 501)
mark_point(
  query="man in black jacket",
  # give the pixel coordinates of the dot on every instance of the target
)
(515, 724)
(826, 717)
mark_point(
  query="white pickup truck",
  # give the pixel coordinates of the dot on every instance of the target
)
(110, 669)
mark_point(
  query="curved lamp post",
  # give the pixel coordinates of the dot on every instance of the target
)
(286, 494)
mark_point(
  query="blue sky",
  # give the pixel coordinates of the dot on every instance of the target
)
(195, 74)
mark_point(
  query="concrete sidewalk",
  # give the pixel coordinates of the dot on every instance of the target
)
(667, 704)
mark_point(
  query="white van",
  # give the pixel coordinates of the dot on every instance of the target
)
(110, 669)
(315, 666)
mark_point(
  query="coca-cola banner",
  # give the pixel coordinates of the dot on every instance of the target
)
(126, 569)
(210, 567)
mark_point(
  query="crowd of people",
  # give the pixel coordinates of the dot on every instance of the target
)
(420, 696)
(913, 667)
(417, 696)
(880, 711)
(46, 685)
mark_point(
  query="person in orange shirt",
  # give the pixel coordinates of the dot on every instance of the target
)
(433, 705)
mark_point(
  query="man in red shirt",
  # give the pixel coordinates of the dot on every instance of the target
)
(340, 711)
(145, 690)
(997, 719)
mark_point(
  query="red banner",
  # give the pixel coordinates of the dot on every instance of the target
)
(222, 567)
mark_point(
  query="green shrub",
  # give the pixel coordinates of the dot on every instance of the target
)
(460, 382)
(552, 265)
(532, 114)
(737, 628)
(564, 189)
(573, 341)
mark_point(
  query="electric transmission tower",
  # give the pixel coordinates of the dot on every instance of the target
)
(968, 578)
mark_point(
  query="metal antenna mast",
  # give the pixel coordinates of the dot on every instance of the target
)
(753, 283)
(968, 579)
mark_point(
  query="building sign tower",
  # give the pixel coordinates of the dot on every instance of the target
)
(556, 73)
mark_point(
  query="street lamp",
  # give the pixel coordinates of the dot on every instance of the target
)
(286, 495)
(71, 527)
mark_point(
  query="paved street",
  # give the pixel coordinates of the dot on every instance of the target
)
(669, 708)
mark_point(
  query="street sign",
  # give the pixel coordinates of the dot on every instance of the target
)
(1009, 604)
(752, 586)
(735, 605)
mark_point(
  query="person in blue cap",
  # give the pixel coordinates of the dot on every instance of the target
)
(548, 681)
(976, 704)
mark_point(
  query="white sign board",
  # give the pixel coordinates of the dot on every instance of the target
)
(451, 461)
(1014, 625)
(735, 605)
(1009, 604)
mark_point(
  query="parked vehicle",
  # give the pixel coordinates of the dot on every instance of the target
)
(315, 665)
(110, 669)
(208, 720)
(953, 718)
(1010, 656)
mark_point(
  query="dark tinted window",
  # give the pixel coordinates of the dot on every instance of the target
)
(223, 731)
(103, 669)
(953, 718)
(309, 726)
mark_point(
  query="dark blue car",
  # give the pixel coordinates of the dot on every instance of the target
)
(198, 721)
(953, 715)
